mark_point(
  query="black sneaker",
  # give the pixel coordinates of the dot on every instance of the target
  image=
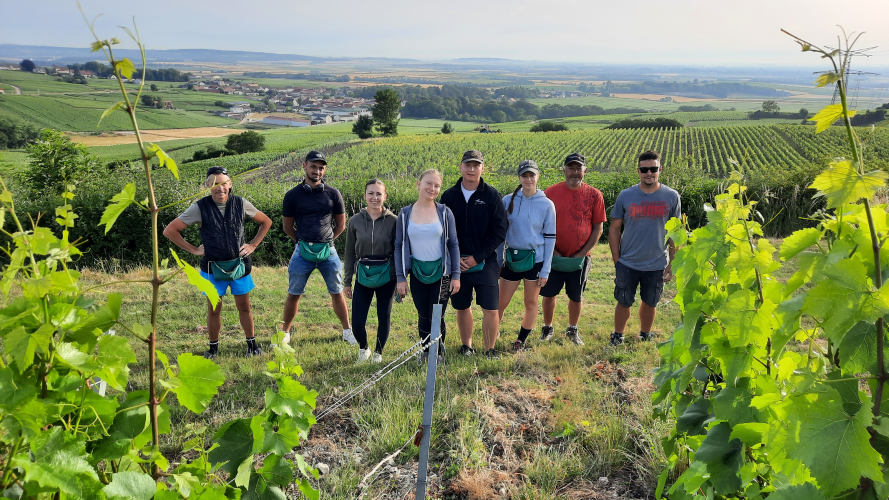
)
(492, 354)
(645, 336)
(210, 354)
(254, 352)
(547, 333)
(441, 353)
(571, 333)
(617, 338)
(466, 350)
(518, 346)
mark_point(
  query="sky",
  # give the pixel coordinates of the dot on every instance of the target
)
(688, 32)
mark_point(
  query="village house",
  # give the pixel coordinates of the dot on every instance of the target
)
(286, 122)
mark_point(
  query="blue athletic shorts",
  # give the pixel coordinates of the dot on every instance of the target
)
(240, 286)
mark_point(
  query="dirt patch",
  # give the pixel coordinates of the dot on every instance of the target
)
(112, 139)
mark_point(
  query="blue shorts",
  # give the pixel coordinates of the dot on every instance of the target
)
(240, 286)
(300, 269)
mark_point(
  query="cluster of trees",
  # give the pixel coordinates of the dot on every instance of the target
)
(771, 109)
(385, 116)
(235, 144)
(15, 134)
(413, 92)
(517, 92)
(871, 117)
(718, 89)
(300, 76)
(548, 126)
(155, 75)
(641, 123)
(54, 161)
(698, 109)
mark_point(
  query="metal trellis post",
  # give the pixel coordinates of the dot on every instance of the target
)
(428, 402)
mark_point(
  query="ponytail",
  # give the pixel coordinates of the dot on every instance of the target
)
(512, 200)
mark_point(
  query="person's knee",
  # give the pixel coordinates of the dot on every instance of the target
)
(243, 307)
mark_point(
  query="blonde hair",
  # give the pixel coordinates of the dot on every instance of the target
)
(431, 171)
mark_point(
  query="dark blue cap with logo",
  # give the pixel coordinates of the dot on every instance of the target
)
(575, 157)
(316, 156)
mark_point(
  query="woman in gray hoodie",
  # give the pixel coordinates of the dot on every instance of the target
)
(426, 247)
(529, 245)
(370, 253)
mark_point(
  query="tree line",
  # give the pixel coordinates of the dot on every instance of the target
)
(299, 76)
(156, 75)
(716, 89)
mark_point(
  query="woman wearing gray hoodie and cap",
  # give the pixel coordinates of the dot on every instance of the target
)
(528, 249)
(370, 255)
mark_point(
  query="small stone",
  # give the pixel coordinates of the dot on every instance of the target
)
(603, 479)
(323, 468)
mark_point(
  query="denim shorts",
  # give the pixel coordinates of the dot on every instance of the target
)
(300, 269)
(240, 286)
(627, 279)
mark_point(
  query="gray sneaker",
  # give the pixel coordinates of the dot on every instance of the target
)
(571, 333)
(617, 338)
(547, 333)
(645, 336)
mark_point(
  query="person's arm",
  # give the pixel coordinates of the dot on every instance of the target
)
(340, 224)
(288, 227)
(614, 238)
(591, 241)
(496, 234)
(265, 223)
(350, 258)
(453, 251)
(549, 241)
(173, 233)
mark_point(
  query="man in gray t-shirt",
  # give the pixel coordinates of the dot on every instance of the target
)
(641, 258)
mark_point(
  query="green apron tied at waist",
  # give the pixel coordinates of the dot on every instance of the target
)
(519, 260)
(314, 252)
(427, 271)
(474, 269)
(567, 264)
(227, 270)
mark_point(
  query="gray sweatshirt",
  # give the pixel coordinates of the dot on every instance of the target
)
(532, 226)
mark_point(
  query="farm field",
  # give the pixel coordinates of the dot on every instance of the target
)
(743, 104)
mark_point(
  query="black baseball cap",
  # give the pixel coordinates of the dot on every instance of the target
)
(528, 166)
(473, 155)
(575, 157)
(316, 156)
(217, 170)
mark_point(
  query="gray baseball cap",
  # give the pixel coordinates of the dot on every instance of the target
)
(528, 166)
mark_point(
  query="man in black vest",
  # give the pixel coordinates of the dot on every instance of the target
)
(221, 219)
(314, 215)
(481, 228)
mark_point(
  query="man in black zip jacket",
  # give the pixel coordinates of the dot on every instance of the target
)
(481, 228)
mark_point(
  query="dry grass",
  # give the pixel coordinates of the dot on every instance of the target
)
(112, 139)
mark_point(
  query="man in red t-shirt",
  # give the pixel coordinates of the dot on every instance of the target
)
(580, 212)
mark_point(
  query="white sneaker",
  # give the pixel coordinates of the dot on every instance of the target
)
(377, 358)
(349, 337)
(363, 355)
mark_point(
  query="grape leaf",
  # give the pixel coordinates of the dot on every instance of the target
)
(260, 489)
(125, 67)
(292, 398)
(114, 107)
(692, 420)
(858, 349)
(60, 461)
(744, 323)
(119, 203)
(130, 486)
(750, 433)
(828, 115)
(276, 470)
(114, 355)
(807, 491)
(200, 379)
(733, 404)
(103, 319)
(197, 280)
(799, 241)
(28, 419)
(13, 395)
(723, 457)
(841, 183)
(234, 442)
(282, 441)
(164, 159)
(831, 443)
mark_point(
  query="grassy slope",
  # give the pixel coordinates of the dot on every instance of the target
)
(495, 420)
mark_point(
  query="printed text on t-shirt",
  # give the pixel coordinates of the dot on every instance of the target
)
(648, 210)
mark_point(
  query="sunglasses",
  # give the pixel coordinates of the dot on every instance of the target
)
(646, 170)
(217, 171)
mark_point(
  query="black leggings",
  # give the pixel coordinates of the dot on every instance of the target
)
(361, 297)
(424, 297)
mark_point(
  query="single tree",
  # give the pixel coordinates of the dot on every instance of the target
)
(770, 107)
(363, 127)
(248, 142)
(27, 65)
(153, 87)
(148, 100)
(548, 126)
(55, 161)
(447, 128)
(803, 113)
(498, 116)
(386, 111)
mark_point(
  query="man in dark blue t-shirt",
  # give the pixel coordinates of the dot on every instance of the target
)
(314, 215)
